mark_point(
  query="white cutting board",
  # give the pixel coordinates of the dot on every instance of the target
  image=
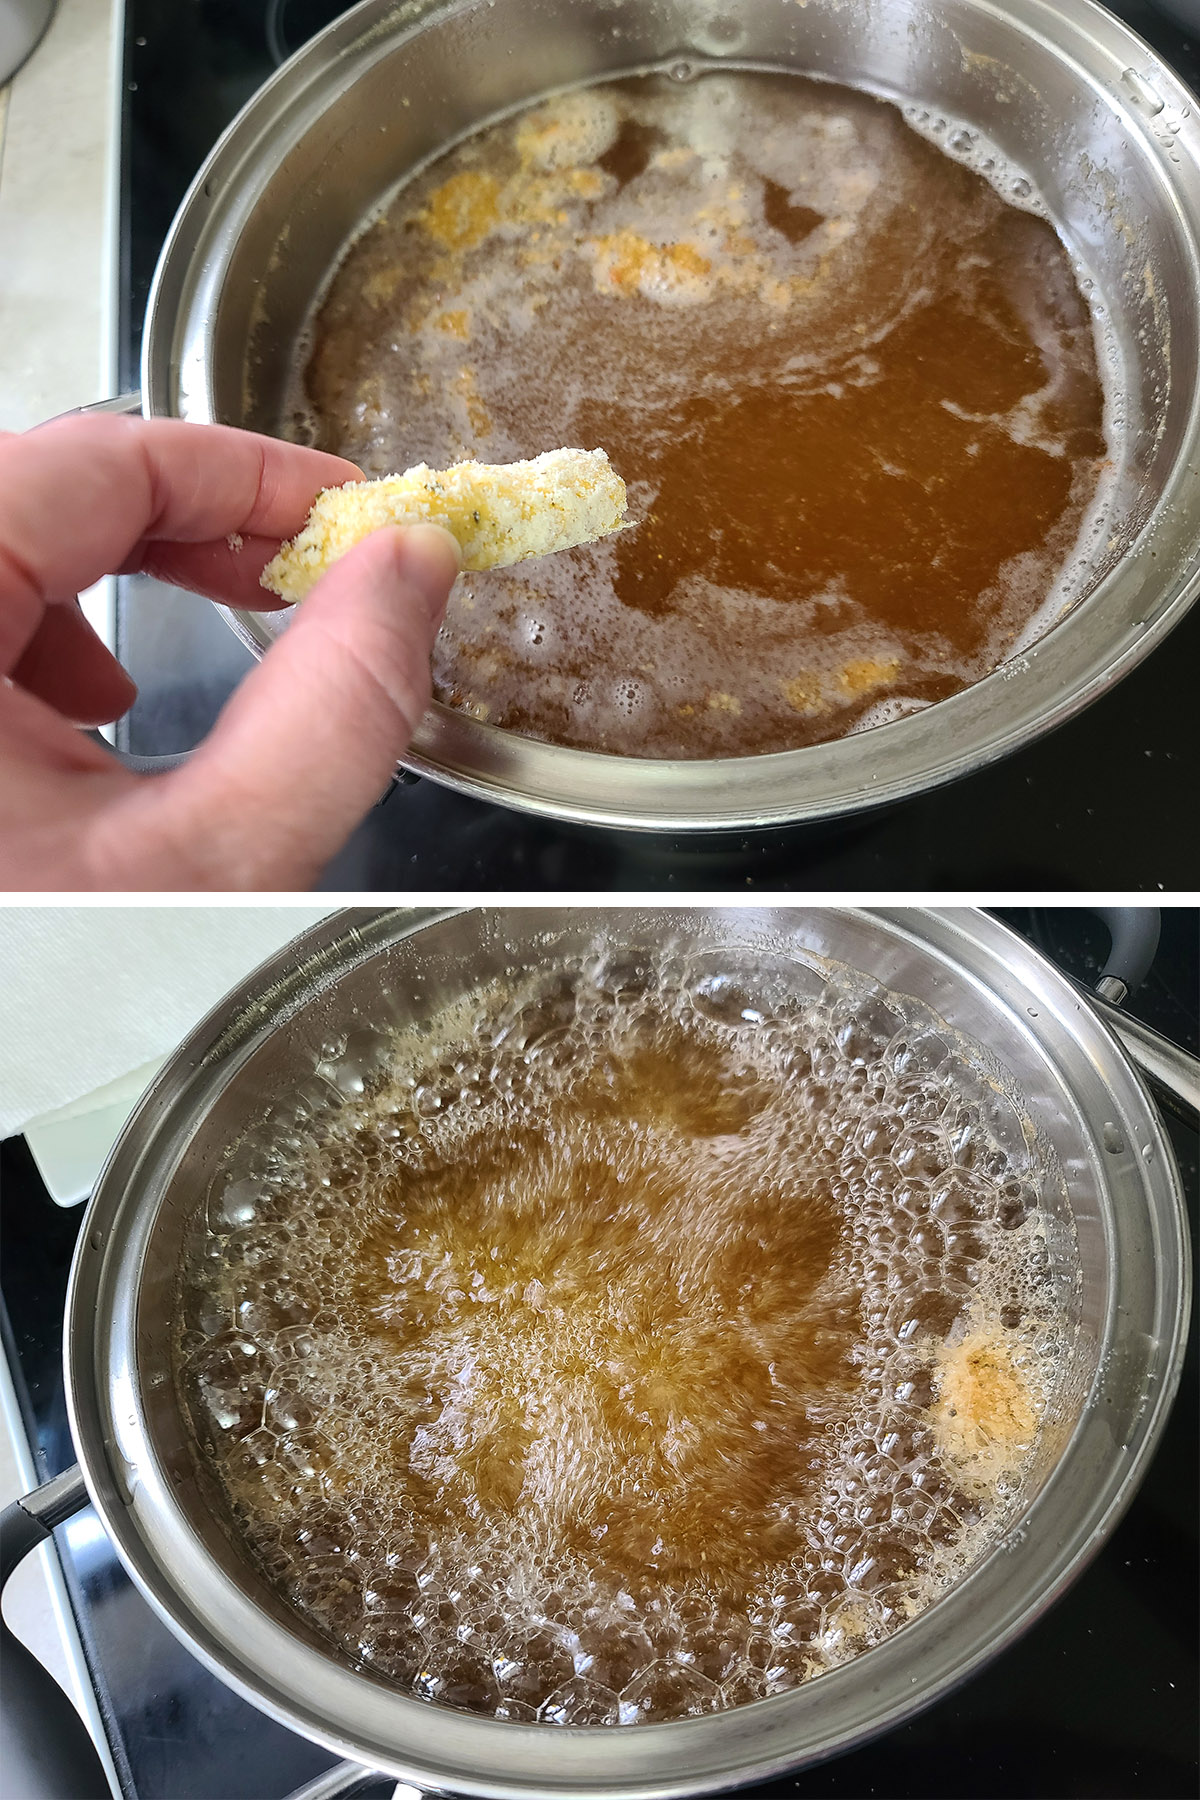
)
(92, 1001)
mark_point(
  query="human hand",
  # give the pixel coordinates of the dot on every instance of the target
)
(303, 748)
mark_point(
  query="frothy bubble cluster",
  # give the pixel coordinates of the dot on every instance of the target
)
(635, 1346)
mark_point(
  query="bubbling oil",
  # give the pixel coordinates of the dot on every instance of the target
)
(631, 1347)
(853, 390)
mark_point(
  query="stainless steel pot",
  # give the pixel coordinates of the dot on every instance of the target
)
(1107, 133)
(1092, 1115)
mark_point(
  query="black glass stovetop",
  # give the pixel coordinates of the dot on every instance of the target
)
(1099, 1699)
(1100, 804)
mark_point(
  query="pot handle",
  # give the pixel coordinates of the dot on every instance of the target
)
(46, 1750)
(1172, 1072)
(1134, 931)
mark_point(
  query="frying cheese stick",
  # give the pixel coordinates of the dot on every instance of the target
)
(500, 513)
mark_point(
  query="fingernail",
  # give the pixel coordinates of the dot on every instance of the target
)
(429, 559)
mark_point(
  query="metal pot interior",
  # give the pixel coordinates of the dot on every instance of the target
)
(1103, 1156)
(1102, 129)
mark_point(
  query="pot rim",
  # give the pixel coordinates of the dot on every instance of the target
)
(1079, 659)
(1072, 1514)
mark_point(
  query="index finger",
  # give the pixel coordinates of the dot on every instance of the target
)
(78, 495)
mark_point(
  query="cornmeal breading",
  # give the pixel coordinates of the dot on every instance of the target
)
(500, 513)
(988, 1408)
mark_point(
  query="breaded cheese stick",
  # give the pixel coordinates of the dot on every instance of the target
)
(500, 513)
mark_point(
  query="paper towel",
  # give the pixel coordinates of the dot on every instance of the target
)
(88, 994)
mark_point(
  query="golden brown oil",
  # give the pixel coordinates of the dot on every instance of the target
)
(632, 1349)
(854, 393)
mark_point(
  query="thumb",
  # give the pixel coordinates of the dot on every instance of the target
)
(310, 739)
